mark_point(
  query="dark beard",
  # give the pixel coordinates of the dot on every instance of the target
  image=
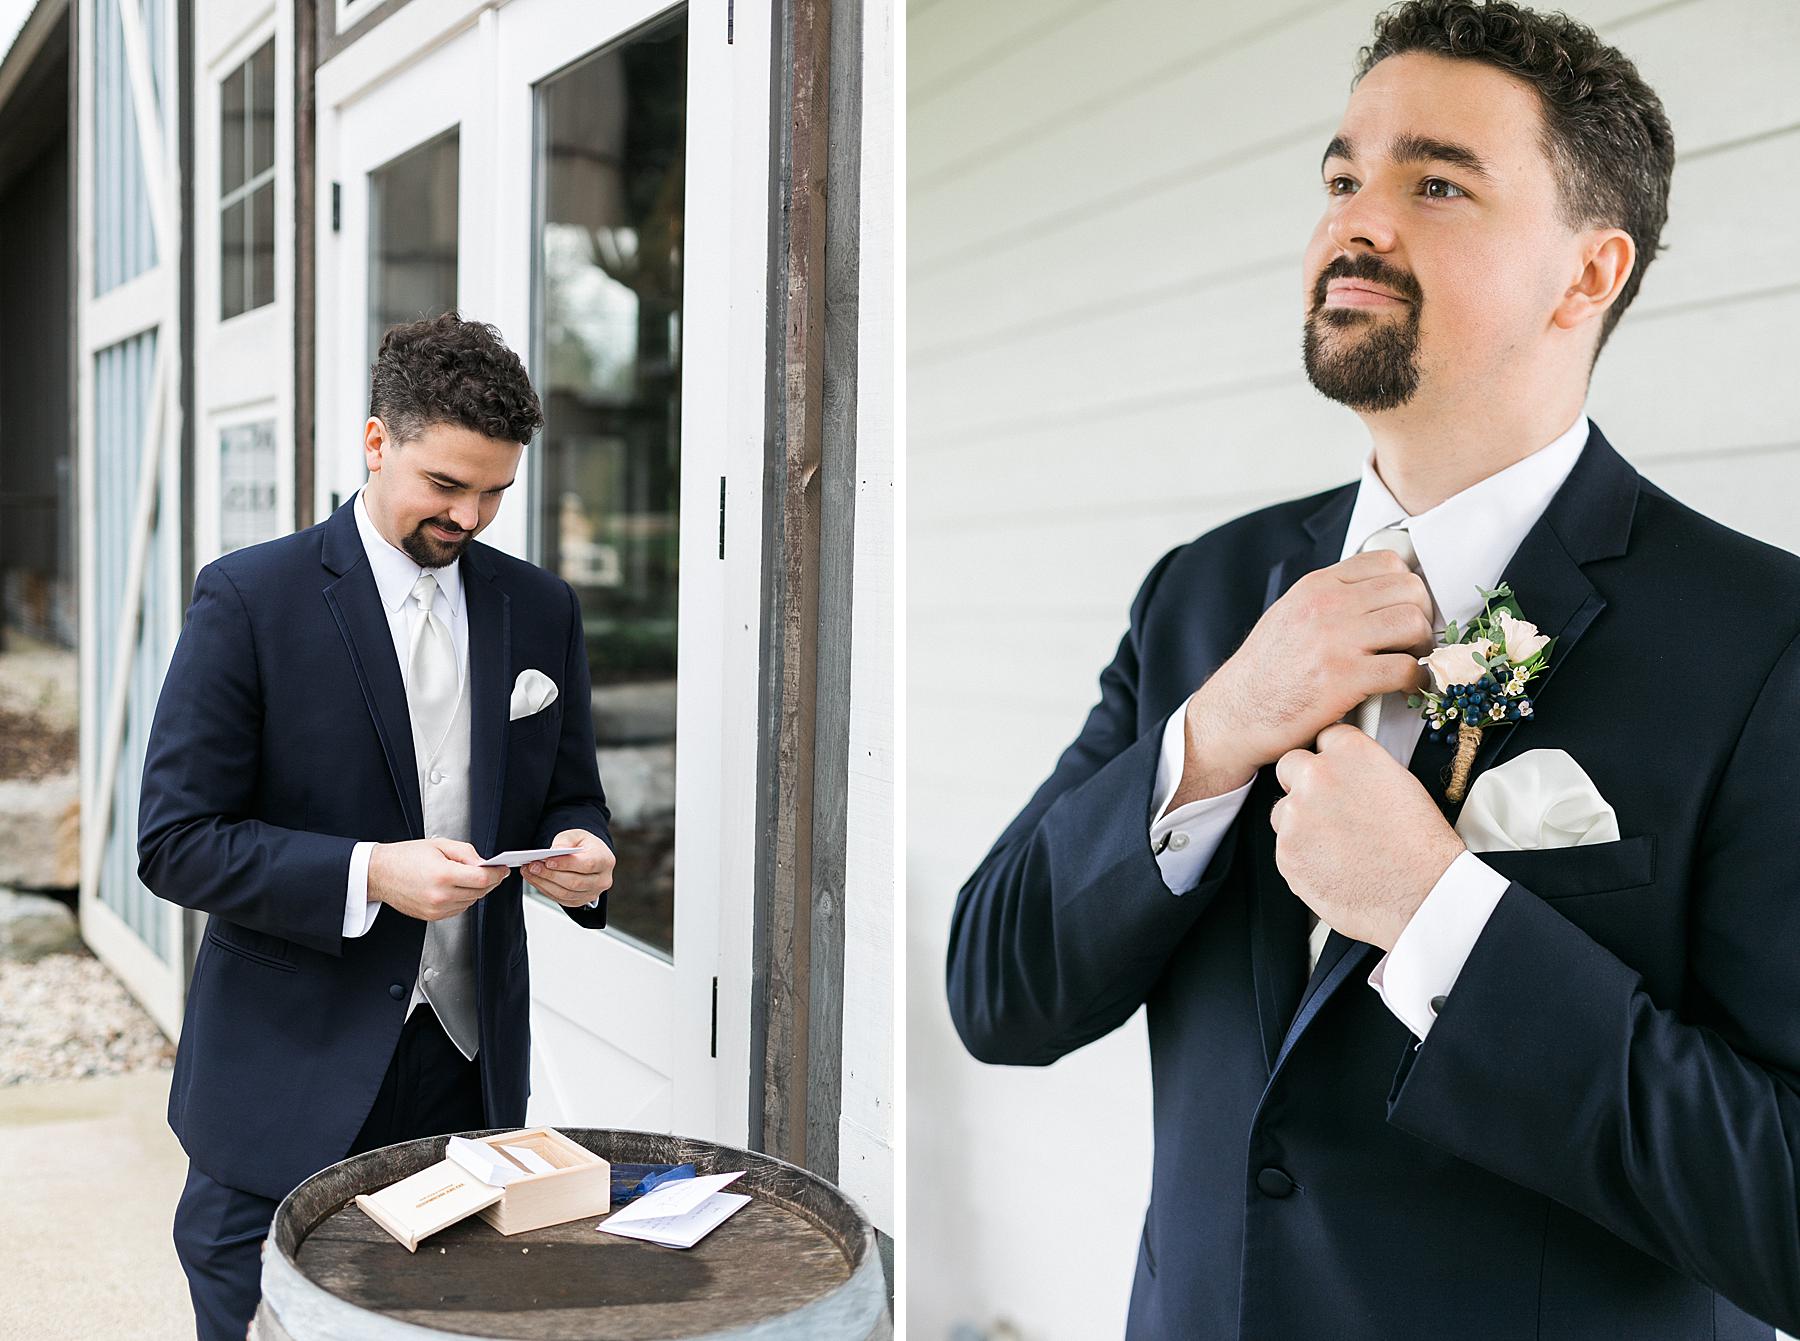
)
(1367, 369)
(428, 551)
(1373, 370)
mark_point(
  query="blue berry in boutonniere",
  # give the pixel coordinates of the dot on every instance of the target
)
(1480, 675)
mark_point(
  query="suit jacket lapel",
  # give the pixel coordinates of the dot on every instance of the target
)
(356, 606)
(1587, 519)
(490, 653)
(1278, 921)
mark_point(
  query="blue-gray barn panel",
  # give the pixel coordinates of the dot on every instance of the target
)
(124, 243)
(122, 386)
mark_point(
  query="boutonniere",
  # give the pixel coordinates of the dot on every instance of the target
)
(1480, 675)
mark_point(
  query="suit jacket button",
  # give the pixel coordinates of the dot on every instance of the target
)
(1272, 1182)
(396, 990)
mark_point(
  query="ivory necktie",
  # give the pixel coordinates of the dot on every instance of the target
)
(1366, 715)
(445, 974)
(431, 674)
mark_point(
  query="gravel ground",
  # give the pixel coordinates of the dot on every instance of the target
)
(66, 1017)
(32, 748)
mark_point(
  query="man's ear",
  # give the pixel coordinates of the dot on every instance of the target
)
(1607, 257)
(375, 436)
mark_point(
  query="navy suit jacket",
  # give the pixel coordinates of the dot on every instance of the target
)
(1600, 1135)
(281, 739)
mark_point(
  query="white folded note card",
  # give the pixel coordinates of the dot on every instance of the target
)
(678, 1214)
(528, 854)
(680, 1231)
(530, 1158)
(482, 1160)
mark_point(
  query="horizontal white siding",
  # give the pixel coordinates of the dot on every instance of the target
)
(1106, 209)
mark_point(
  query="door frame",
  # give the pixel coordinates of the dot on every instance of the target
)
(706, 1026)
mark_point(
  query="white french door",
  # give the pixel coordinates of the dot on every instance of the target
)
(591, 179)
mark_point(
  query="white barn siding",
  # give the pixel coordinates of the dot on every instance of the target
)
(1106, 208)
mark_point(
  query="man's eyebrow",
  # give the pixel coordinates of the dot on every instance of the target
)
(1410, 148)
(438, 477)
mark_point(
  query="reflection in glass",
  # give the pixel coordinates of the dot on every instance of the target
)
(247, 513)
(607, 350)
(412, 236)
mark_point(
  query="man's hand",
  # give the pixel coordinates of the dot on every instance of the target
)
(1357, 837)
(1333, 638)
(429, 878)
(574, 880)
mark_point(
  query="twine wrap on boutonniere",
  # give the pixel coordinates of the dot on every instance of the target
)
(1480, 675)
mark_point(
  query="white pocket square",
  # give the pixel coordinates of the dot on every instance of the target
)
(532, 692)
(1541, 798)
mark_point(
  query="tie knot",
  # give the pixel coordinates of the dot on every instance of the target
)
(424, 590)
(1395, 538)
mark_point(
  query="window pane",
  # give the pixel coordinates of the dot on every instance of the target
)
(231, 260)
(247, 485)
(262, 108)
(412, 236)
(231, 132)
(608, 363)
(262, 245)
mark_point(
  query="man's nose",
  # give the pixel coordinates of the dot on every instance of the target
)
(1362, 221)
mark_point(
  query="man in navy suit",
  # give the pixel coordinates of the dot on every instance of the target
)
(354, 716)
(1402, 1088)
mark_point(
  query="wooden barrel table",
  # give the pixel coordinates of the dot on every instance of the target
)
(798, 1261)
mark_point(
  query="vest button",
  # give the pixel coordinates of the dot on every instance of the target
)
(398, 990)
(1272, 1182)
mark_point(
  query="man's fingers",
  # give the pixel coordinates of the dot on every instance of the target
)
(1290, 767)
(466, 875)
(1370, 563)
(549, 883)
(584, 862)
(1395, 671)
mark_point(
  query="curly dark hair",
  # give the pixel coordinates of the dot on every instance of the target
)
(1604, 130)
(444, 370)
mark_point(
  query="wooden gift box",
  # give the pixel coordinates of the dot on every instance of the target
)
(580, 1184)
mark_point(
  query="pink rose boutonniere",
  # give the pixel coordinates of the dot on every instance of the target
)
(1480, 675)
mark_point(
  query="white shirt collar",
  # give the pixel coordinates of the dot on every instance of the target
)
(1465, 541)
(394, 570)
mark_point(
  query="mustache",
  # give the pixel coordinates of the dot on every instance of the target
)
(1370, 269)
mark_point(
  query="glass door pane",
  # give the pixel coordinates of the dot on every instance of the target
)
(606, 353)
(412, 236)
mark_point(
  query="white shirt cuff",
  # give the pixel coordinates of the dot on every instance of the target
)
(1434, 946)
(1185, 839)
(359, 910)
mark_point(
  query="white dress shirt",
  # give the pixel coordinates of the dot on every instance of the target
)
(1463, 543)
(395, 575)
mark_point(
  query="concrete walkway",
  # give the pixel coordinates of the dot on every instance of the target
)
(91, 1174)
